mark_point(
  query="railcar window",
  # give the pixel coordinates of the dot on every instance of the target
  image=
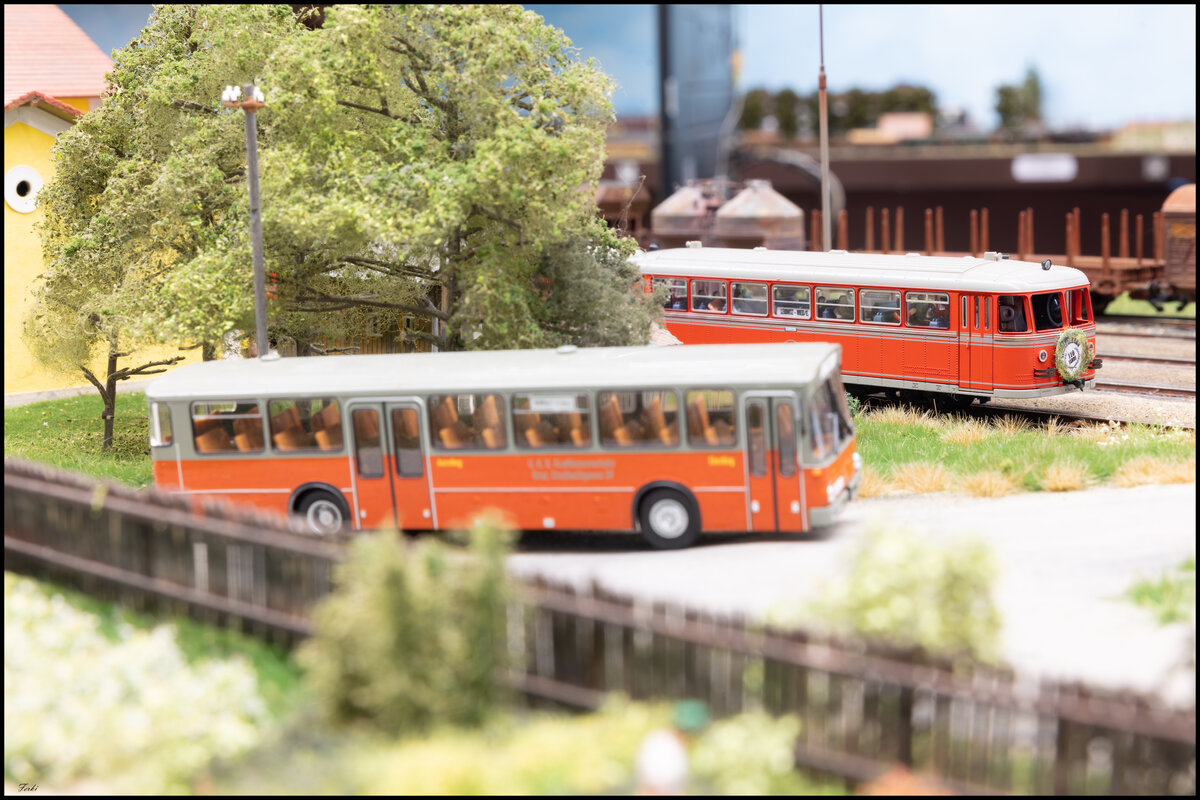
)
(1047, 311)
(834, 302)
(790, 301)
(928, 309)
(749, 298)
(708, 296)
(234, 425)
(711, 418)
(879, 306)
(306, 424)
(368, 446)
(406, 440)
(1010, 309)
(1081, 306)
(638, 418)
(676, 292)
(467, 420)
(552, 420)
(160, 430)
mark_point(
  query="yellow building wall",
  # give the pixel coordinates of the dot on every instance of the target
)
(27, 146)
(81, 103)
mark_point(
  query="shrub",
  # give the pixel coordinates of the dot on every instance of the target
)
(902, 589)
(411, 636)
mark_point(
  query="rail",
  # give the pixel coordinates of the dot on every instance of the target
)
(863, 708)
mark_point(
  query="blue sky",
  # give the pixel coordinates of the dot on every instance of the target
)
(1101, 66)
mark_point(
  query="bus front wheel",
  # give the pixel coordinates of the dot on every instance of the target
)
(322, 511)
(669, 519)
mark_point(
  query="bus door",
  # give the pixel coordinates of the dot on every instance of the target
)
(776, 499)
(410, 474)
(977, 328)
(387, 460)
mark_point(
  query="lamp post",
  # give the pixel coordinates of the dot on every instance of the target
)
(249, 98)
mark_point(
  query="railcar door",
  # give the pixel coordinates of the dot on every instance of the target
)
(976, 341)
(776, 490)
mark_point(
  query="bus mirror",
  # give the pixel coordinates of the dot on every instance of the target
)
(1046, 264)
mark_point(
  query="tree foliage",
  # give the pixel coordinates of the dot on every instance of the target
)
(415, 161)
(1021, 104)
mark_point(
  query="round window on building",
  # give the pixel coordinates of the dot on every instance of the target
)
(21, 187)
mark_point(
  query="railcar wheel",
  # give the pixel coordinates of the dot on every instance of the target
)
(669, 519)
(323, 512)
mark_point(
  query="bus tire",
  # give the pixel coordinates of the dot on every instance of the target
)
(669, 519)
(324, 512)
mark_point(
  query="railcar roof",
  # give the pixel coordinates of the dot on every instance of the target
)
(769, 366)
(839, 267)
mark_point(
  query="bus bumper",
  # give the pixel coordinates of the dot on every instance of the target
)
(821, 516)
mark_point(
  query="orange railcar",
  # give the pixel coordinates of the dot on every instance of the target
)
(963, 329)
(669, 441)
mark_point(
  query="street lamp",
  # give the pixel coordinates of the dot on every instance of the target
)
(249, 98)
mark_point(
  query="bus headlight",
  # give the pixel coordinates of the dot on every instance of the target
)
(834, 489)
(857, 461)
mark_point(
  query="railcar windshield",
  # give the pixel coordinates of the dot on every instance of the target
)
(1013, 317)
(1047, 311)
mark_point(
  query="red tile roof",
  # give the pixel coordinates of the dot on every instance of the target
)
(43, 100)
(45, 51)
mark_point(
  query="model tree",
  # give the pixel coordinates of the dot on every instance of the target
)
(415, 161)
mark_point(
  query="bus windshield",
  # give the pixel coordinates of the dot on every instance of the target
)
(829, 414)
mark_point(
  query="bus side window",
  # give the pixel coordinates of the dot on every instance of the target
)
(467, 420)
(306, 424)
(160, 431)
(230, 425)
(711, 418)
(645, 417)
(368, 450)
(552, 420)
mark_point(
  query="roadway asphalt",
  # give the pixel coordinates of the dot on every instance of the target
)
(1065, 560)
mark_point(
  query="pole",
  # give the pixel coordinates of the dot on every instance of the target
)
(825, 217)
(260, 281)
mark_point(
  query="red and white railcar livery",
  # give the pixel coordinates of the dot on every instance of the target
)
(964, 328)
(666, 440)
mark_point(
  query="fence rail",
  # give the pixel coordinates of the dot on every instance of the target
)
(978, 729)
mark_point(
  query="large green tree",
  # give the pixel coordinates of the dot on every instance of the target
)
(415, 161)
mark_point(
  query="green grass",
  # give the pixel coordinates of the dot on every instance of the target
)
(1171, 598)
(279, 677)
(1124, 305)
(888, 446)
(68, 433)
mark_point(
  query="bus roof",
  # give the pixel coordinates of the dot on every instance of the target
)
(912, 271)
(768, 366)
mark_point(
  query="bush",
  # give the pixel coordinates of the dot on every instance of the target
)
(412, 635)
(908, 592)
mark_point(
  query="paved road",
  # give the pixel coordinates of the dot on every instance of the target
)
(1065, 560)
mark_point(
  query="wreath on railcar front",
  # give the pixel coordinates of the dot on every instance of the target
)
(1072, 354)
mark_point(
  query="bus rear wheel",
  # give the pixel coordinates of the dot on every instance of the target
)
(323, 512)
(669, 519)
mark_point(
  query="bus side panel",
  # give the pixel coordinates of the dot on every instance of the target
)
(265, 483)
(585, 490)
(166, 472)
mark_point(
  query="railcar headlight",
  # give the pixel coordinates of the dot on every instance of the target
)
(1042, 356)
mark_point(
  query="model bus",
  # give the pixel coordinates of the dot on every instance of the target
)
(666, 440)
(961, 329)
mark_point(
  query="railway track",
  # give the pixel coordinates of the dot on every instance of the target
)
(1150, 359)
(1148, 327)
(1152, 389)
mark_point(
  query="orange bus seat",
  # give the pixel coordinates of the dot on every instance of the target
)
(329, 438)
(456, 435)
(486, 416)
(293, 439)
(366, 426)
(249, 440)
(288, 418)
(327, 417)
(214, 441)
(581, 436)
(492, 438)
(610, 417)
(408, 424)
(201, 426)
(622, 435)
(722, 432)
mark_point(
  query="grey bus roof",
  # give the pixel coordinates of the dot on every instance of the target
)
(838, 267)
(768, 366)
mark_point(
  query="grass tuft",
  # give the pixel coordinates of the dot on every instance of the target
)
(1010, 425)
(1053, 427)
(1154, 469)
(966, 432)
(920, 478)
(874, 484)
(1065, 476)
(990, 483)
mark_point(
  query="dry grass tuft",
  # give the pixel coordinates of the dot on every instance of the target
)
(966, 432)
(1053, 427)
(1150, 469)
(991, 483)
(1065, 476)
(920, 478)
(1094, 433)
(874, 484)
(900, 415)
(1009, 425)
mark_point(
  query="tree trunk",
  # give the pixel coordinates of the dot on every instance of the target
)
(109, 395)
(208, 351)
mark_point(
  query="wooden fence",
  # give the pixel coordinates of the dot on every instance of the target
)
(862, 709)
